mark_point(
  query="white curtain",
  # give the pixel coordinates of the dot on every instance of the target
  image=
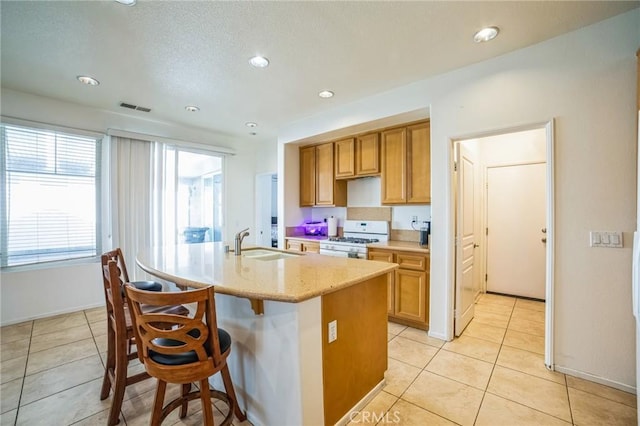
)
(130, 189)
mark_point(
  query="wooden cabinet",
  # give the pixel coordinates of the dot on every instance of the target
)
(406, 165)
(307, 176)
(318, 186)
(386, 256)
(345, 158)
(367, 155)
(408, 287)
(358, 157)
(302, 245)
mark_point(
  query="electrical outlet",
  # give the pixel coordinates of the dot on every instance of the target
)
(333, 331)
(414, 219)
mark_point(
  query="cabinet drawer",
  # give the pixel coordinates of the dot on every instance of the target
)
(294, 245)
(381, 256)
(412, 261)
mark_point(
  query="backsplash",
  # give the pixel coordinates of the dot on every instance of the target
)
(363, 201)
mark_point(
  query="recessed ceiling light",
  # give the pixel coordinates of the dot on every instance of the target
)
(259, 62)
(127, 2)
(88, 80)
(326, 94)
(192, 108)
(486, 34)
(251, 124)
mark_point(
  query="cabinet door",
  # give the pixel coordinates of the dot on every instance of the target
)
(393, 154)
(345, 160)
(386, 256)
(307, 176)
(294, 245)
(324, 176)
(367, 151)
(310, 247)
(419, 164)
(411, 295)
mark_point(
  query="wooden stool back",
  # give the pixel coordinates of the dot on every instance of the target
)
(193, 349)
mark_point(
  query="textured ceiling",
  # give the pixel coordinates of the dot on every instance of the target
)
(168, 54)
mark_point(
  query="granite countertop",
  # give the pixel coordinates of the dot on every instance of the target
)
(400, 245)
(292, 279)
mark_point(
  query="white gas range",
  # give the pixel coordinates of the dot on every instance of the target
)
(356, 235)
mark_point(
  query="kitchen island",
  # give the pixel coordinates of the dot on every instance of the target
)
(277, 306)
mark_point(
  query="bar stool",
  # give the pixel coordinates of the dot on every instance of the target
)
(120, 336)
(192, 350)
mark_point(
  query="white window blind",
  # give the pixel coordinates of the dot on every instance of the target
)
(50, 182)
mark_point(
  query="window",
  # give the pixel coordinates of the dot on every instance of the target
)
(50, 186)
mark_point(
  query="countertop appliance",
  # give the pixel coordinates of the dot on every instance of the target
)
(356, 235)
(315, 228)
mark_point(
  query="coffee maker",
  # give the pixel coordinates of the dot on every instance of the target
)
(425, 233)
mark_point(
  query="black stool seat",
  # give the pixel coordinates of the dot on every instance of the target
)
(147, 285)
(186, 357)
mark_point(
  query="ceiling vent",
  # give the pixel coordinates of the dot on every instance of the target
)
(135, 107)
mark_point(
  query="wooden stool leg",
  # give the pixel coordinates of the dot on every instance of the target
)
(186, 388)
(205, 396)
(156, 415)
(109, 364)
(120, 382)
(228, 386)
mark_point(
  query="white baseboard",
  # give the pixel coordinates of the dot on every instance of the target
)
(596, 379)
(347, 418)
(52, 314)
(437, 335)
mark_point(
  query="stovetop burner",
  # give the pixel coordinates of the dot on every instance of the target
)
(353, 240)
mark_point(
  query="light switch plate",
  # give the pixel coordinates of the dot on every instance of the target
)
(333, 331)
(606, 239)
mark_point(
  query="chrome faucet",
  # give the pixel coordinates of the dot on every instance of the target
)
(239, 237)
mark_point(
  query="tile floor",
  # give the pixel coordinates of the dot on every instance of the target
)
(492, 375)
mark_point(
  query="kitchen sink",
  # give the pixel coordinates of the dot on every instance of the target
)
(265, 255)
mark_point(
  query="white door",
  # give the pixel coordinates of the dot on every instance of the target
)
(465, 238)
(516, 235)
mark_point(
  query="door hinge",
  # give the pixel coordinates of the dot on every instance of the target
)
(486, 231)
(486, 277)
(455, 166)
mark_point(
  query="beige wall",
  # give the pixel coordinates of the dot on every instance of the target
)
(586, 81)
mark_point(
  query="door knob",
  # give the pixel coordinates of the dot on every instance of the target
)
(544, 240)
(476, 245)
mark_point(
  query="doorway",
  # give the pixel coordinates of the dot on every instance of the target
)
(267, 210)
(503, 186)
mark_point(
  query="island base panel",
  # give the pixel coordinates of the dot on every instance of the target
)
(356, 361)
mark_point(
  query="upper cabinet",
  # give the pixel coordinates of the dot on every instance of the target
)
(405, 165)
(318, 186)
(345, 158)
(358, 157)
(308, 176)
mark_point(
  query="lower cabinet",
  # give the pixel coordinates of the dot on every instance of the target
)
(302, 245)
(408, 287)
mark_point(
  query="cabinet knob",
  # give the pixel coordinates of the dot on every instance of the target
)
(544, 240)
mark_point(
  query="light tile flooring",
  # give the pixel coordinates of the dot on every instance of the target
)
(493, 374)
(51, 372)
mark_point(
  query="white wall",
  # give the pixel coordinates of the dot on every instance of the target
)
(48, 291)
(586, 80)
